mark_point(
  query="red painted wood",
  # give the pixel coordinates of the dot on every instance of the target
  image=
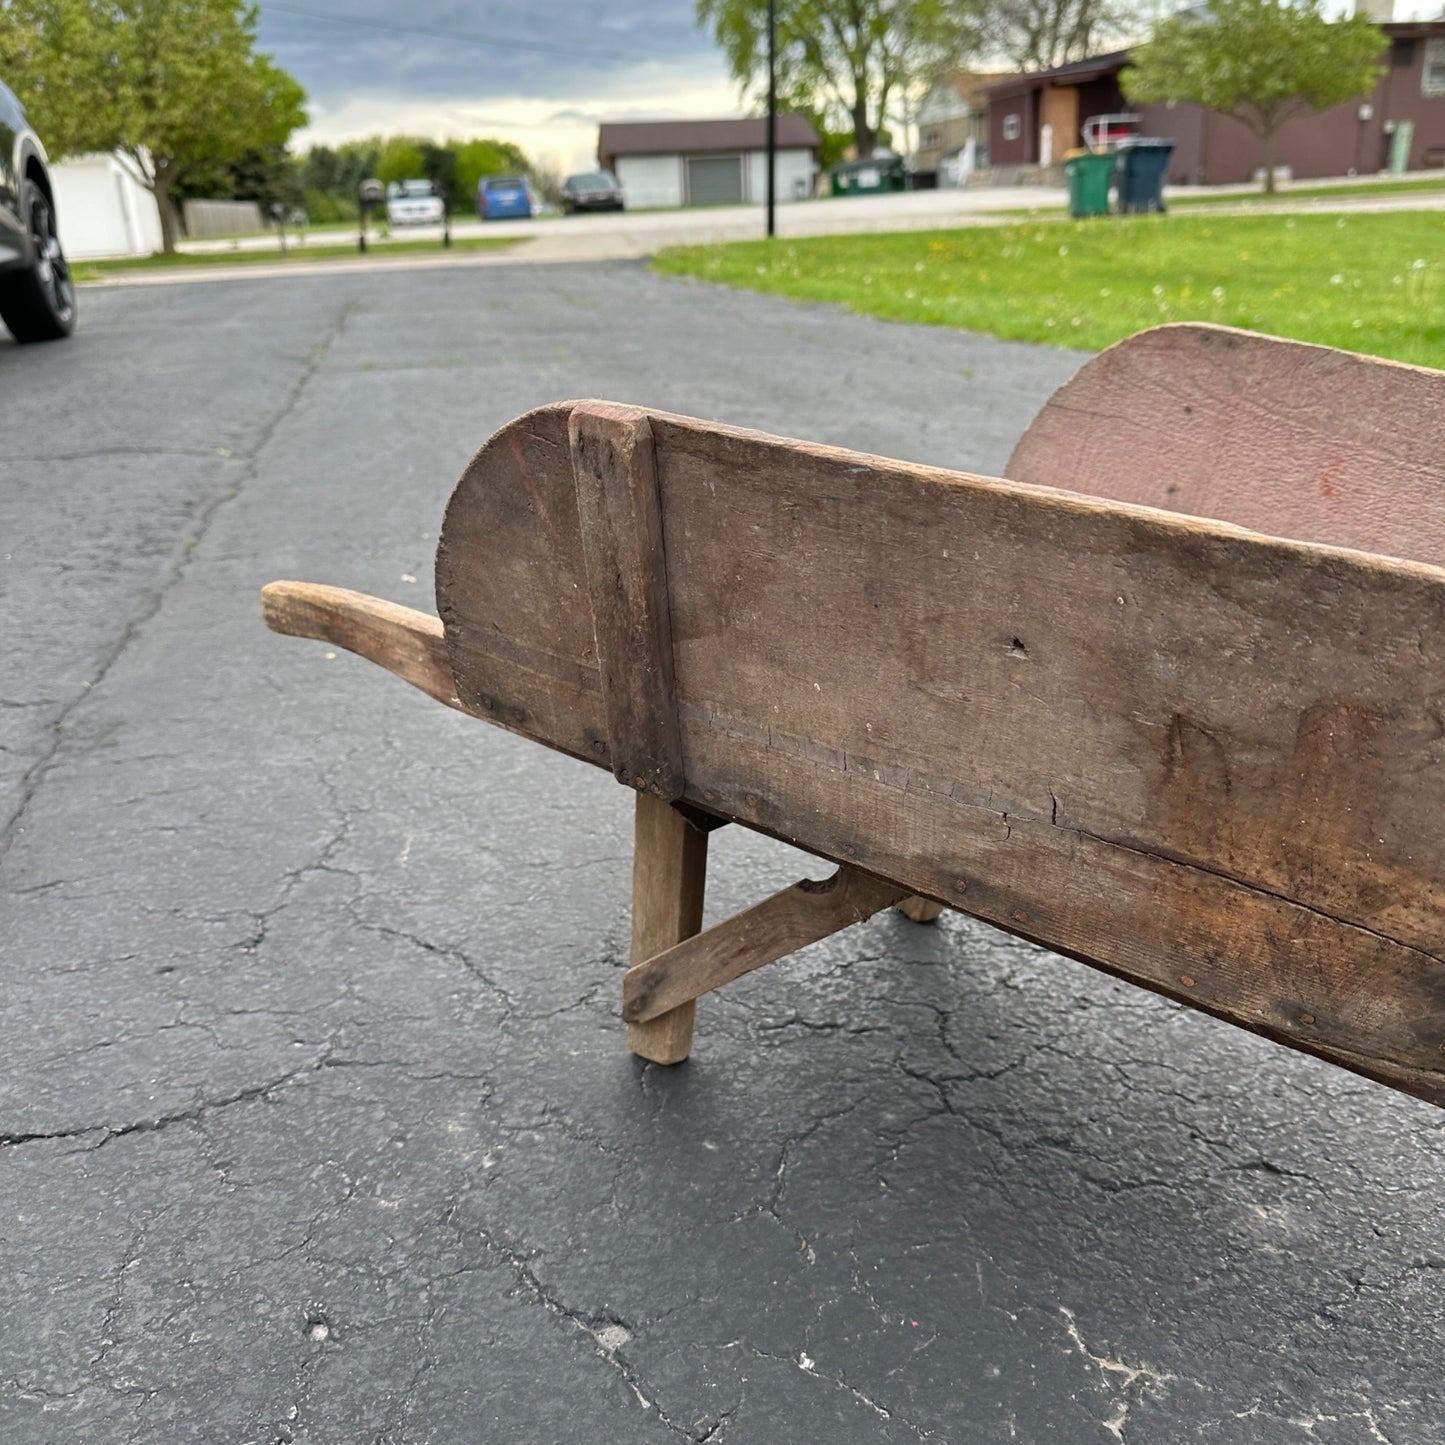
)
(1280, 437)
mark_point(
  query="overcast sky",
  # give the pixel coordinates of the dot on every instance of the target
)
(541, 73)
(554, 70)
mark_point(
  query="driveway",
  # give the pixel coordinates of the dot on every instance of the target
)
(317, 1121)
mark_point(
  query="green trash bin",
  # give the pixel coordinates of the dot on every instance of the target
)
(871, 176)
(1089, 174)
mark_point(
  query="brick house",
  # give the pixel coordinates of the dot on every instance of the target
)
(1031, 115)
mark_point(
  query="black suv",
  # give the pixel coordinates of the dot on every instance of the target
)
(37, 296)
(592, 191)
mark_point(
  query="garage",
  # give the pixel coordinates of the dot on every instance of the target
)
(708, 162)
(714, 180)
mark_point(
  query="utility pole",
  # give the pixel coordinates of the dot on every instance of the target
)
(772, 114)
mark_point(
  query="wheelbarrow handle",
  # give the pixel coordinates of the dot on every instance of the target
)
(400, 639)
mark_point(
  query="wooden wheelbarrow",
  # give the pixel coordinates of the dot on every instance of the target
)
(1082, 704)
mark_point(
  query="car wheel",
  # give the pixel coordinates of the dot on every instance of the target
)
(38, 303)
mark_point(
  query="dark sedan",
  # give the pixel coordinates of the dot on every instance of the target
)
(37, 297)
(592, 191)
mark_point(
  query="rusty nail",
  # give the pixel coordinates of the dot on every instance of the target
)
(1187, 979)
(1307, 1018)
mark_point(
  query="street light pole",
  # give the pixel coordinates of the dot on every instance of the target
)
(772, 113)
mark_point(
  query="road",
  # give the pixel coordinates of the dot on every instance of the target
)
(316, 1118)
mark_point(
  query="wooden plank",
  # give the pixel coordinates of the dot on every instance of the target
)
(1208, 761)
(1286, 438)
(1278, 968)
(400, 639)
(669, 875)
(1170, 747)
(612, 464)
(510, 586)
(780, 925)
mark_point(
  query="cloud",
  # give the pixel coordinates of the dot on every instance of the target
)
(544, 75)
(553, 49)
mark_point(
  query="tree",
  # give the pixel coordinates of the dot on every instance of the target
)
(175, 84)
(847, 57)
(1040, 34)
(400, 160)
(1261, 61)
(478, 158)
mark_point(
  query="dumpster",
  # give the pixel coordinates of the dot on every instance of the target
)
(1089, 174)
(871, 176)
(1143, 160)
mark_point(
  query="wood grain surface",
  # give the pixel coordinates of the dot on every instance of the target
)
(1286, 438)
(770, 930)
(621, 522)
(1206, 760)
(511, 587)
(400, 639)
(669, 880)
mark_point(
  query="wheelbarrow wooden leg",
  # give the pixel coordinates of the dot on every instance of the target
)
(669, 871)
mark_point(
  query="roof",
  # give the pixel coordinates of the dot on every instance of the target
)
(663, 137)
(970, 85)
(1414, 29)
(1095, 67)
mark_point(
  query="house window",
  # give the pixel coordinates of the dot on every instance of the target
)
(932, 138)
(1432, 77)
(1012, 127)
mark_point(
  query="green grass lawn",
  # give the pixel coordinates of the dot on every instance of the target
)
(1372, 283)
(97, 270)
(1287, 195)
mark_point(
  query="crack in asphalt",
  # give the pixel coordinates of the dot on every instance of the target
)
(192, 1115)
(809, 1366)
(34, 776)
(607, 1333)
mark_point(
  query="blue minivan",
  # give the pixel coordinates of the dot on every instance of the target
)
(504, 198)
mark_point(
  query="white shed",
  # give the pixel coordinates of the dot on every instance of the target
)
(708, 162)
(104, 208)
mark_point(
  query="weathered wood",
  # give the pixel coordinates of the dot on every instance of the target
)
(1207, 760)
(511, 589)
(669, 874)
(1285, 438)
(920, 910)
(774, 928)
(612, 464)
(1176, 750)
(403, 641)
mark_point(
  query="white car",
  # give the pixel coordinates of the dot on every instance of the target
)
(414, 203)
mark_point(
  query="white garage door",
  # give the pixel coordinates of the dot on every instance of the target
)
(714, 180)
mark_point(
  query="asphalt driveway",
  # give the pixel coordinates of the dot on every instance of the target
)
(317, 1121)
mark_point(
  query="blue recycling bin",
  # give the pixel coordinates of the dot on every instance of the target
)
(1142, 164)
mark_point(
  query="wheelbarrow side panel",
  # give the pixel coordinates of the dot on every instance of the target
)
(1285, 438)
(511, 589)
(1204, 760)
